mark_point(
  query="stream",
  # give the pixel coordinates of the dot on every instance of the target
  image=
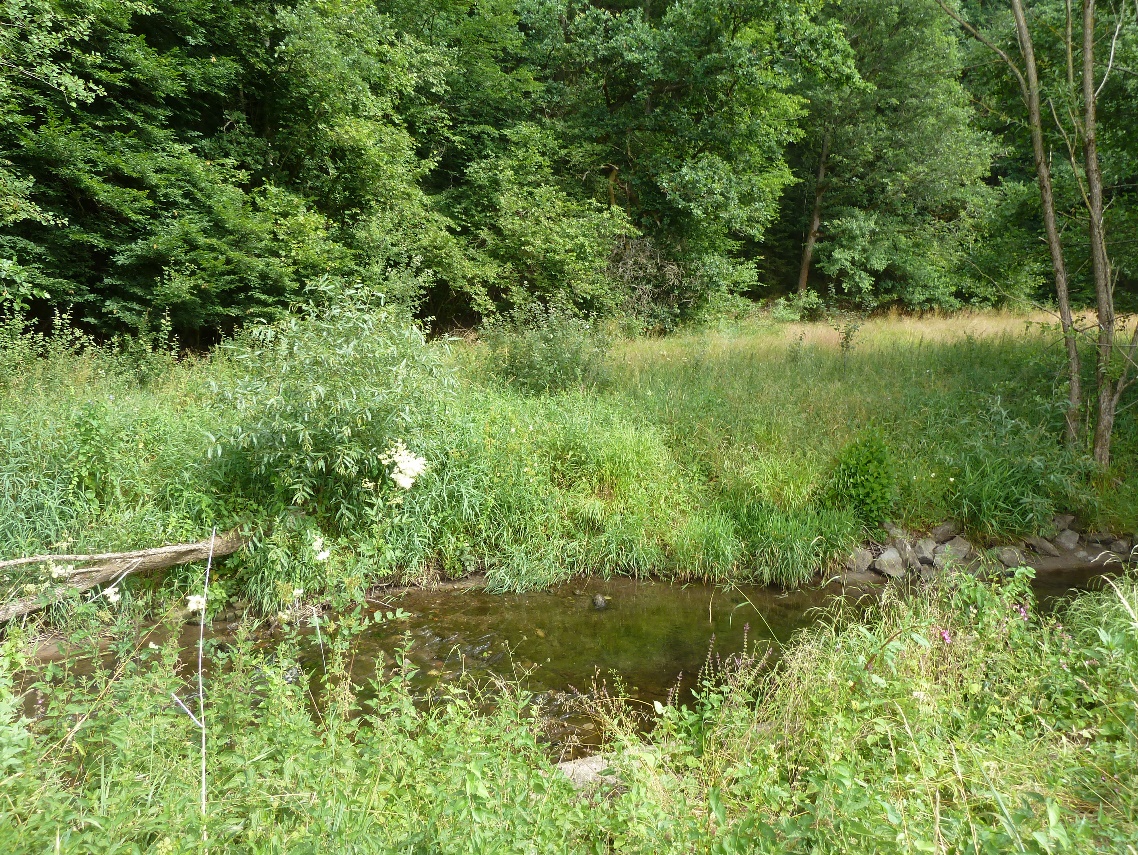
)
(648, 643)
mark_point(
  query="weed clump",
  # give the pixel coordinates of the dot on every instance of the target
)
(864, 480)
(543, 351)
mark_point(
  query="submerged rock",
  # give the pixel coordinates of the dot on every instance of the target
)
(599, 602)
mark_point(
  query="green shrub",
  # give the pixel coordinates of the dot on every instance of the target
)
(805, 306)
(864, 480)
(544, 351)
(316, 402)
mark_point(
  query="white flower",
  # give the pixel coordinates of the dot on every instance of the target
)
(297, 593)
(317, 544)
(323, 555)
(112, 595)
(195, 602)
(406, 465)
(153, 646)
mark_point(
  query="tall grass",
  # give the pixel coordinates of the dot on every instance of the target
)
(972, 423)
(959, 720)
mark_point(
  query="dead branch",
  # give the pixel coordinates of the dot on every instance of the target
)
(109, 566)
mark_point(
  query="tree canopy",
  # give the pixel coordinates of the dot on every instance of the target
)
(210, 162)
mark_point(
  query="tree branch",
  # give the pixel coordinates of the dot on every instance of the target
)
(976, 34)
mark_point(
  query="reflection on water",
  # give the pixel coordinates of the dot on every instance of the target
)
(651, 634)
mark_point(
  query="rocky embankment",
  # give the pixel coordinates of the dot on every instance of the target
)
(926, 555)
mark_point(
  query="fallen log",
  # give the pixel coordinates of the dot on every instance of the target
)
(110, 566)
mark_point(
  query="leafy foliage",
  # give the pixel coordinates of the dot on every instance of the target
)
(960, 715)
(864, 479)
(547, 352)
(318, 399)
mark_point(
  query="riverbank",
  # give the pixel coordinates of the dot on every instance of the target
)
(725, 456)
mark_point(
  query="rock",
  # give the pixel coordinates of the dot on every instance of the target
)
(1121, 547)
(1100, 538)
(956, 551)
(1043, 547)
(890, 563)
(1067, 540)
(924, 549)
(1062, 521)
(946, 531)
(1010, 556)
(894, 531)
(859, 561)
(586, 771)
(908, 554)
(960, 547)
(599, 602)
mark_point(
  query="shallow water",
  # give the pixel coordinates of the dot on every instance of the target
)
(650, 634)
(651, 638)
(648, 644)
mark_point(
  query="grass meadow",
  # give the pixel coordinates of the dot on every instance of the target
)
(713, 454)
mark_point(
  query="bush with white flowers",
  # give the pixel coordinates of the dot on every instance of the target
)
(318, 400)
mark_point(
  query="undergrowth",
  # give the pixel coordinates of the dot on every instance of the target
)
(958, 719)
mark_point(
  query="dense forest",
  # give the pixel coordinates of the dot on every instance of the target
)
(207, 162)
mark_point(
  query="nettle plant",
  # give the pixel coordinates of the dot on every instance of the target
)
(864, 480)
(326, 406)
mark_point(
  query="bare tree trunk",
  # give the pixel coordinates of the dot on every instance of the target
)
(1030, 87)
(1100, 261)
(815, 217)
